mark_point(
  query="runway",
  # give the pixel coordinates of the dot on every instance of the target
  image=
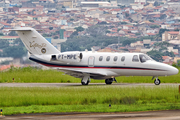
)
(79, 84)
(152, 115)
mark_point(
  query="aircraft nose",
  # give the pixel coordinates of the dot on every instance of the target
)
(173, 71)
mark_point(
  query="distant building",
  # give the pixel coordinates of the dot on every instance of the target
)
(97, 4)
(125, 2)
(170, 35)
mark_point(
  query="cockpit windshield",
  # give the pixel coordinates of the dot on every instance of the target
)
(144, 58)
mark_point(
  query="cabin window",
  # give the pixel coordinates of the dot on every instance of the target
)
(135, 58)
(108, 58)
(115, 58)
(100, 58)
(123, 58)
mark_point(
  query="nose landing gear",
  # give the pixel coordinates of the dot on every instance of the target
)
(110, 80)
(156, 81)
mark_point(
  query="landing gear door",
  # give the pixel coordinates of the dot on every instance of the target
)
(91, 61)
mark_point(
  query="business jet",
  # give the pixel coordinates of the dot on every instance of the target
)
(91, 64)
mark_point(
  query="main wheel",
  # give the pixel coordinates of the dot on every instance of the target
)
(108, 81)
(157, 81)
(83, 83)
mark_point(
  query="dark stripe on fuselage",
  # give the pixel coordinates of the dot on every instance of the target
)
(84, 66)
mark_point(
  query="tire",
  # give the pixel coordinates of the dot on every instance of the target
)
(157, 82)
(83, 83)
(108, 81)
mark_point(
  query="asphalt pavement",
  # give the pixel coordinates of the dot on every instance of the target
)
(150, 115)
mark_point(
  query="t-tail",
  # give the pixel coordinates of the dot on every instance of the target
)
(35, 43)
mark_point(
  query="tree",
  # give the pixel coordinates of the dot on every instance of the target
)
(162, 49)
(156, 55)
(176, 29)
(45, 35)
(171, 54)
(14, 51)
(13, 33)
(161, 31)
(55, 37)
(107, 31)
(96, 30)
(18, 42)
(71, 19)
(154, 26)
(1, 34)
(79, 29)
(119, 29)
(75, 33)
(103, 22)
(4, 44)
(163, 16)
(122, 6)
(50, 28)
(151, 20)
(137, 34)
(126, 42)
(126, 14)
(156, 3)
(123, 22)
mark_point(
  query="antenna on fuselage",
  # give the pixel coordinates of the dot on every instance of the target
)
(93, 50)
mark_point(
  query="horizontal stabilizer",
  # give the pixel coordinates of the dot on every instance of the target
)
(21, 29)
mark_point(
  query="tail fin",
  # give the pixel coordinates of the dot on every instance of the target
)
(34, 42)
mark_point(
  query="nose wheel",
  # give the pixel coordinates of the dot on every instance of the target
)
(157, 81)
(110, 80)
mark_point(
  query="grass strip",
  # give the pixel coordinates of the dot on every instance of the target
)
(88, 108)
(34, 75)
(22, 100)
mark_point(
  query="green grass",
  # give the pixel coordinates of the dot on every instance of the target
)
(33, 75)
(15, 100)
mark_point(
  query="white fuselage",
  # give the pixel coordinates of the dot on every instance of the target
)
(105, 65)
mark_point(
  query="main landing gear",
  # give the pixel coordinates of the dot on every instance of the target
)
(85, 80)
(109, 81)
(156, 81)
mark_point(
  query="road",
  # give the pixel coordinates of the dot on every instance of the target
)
(151, 115)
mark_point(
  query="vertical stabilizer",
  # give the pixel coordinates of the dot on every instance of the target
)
(34, 42)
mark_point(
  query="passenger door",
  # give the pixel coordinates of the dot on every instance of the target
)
(91, 61)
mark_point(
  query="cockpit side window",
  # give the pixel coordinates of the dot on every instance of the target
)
(135, 58)
(142, 58)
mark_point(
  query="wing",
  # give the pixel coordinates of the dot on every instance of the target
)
(79, 73)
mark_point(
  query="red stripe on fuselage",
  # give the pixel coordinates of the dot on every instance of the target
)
(48, 65)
